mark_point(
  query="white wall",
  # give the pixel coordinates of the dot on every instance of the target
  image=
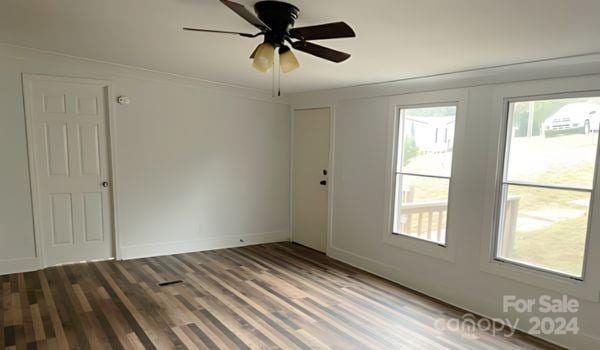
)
(360, 149)
(199, 165)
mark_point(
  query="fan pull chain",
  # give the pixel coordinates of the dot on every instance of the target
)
(276, 86)
(273, 84)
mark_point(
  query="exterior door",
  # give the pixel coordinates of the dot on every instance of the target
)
(310, 166)
(67, 131)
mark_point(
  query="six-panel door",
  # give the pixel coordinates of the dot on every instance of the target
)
(71, 156)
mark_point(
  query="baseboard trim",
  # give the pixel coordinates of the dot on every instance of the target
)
(169, 248)
(19, 265)
(388, 272)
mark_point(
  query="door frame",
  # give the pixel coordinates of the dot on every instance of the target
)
(27, 80)
(330, 172)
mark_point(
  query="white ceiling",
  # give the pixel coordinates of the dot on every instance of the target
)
(397, 39)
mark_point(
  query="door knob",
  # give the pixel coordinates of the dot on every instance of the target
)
(323, 183)
(105, 184)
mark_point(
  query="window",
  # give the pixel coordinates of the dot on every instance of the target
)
(547, 183)
(422, 171)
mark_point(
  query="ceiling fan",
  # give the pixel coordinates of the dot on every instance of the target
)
(275, 20)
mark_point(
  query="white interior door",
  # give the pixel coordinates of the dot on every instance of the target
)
(309, 189)
(67, 123)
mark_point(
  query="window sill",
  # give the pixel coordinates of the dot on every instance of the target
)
(547, 280)
(420, 246)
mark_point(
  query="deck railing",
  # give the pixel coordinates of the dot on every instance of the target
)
(427, 220)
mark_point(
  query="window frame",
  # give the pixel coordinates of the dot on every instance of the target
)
(399, 136)
(503, 183)
(451, 97)
(587, 288)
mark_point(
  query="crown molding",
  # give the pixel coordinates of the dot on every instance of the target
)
(60, 63)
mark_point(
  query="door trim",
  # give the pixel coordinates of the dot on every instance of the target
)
(330, 173)
(27, 80)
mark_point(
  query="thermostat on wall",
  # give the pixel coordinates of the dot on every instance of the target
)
(123, 100)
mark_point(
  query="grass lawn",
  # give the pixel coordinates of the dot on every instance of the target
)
(561, 244)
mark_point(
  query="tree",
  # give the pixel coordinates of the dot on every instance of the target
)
(409, 148)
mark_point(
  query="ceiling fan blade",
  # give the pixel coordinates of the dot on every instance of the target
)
(321, 51)
(323, 31)
(221, 32)
(243, 12)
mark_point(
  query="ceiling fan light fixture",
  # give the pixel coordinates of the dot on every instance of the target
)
(287, 60)
(263, 57)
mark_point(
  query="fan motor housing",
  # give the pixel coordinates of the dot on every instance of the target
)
(279, 16)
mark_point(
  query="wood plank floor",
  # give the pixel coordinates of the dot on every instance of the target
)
(260, 297)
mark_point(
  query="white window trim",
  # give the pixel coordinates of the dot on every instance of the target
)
(589, 287)
(457, 97)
